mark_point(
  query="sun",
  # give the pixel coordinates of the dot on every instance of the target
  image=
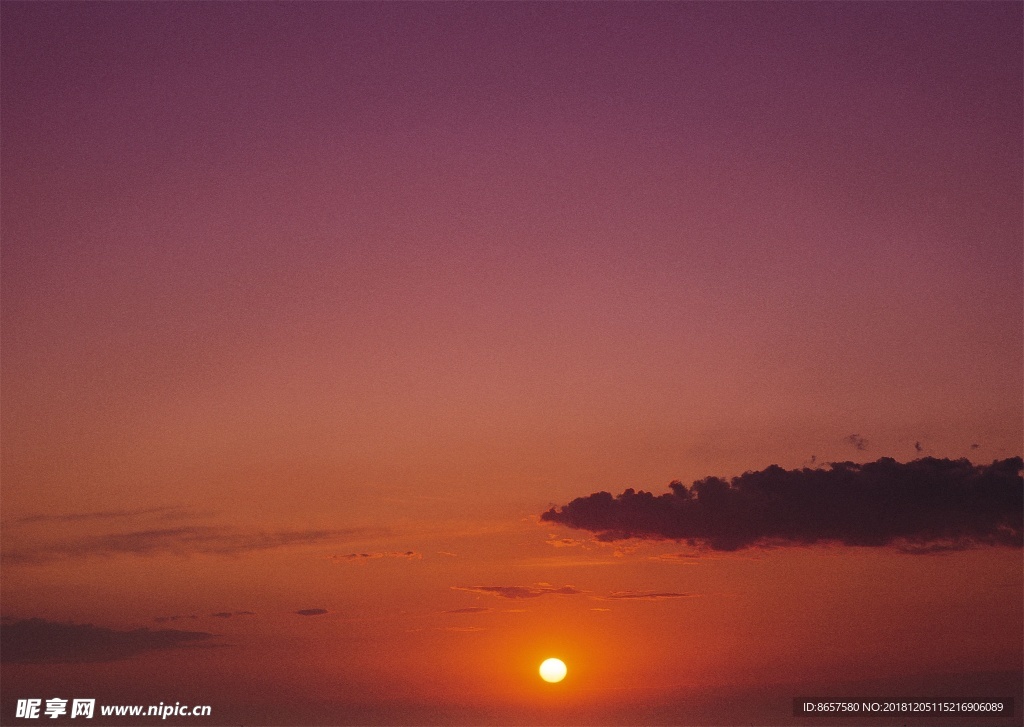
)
(552, 670)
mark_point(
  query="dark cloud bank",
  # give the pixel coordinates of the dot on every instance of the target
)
(925, 506)
(36, 640)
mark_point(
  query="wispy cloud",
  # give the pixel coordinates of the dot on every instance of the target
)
(230, 614)
(168, 619)
(36, 640)
(364, 557)
(471, 609)
(312, 611)
(644, 595)
(517, 592)
(549, 562)
(163, 513)
(933, 548)
(858, 442)
(681, 558)
(927, 502)
(187, 540)
(564, 542)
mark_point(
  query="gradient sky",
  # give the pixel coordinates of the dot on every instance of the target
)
(318, 306)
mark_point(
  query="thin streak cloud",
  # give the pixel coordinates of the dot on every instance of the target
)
(162, 513)
(364, 557)
(644, 595)
(182, 541)
(518, 592)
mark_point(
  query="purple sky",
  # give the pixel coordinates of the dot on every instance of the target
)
(396, 273)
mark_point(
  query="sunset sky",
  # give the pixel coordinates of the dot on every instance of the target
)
(324, 323)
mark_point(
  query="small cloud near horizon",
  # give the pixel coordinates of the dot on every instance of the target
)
(682, 558)
(166, 619)
(644, 595)
(518, 592)
(364, 557)
(311, 611)
(229, 614)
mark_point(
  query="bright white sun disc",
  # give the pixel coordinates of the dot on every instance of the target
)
(552, 670)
